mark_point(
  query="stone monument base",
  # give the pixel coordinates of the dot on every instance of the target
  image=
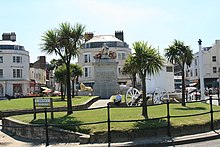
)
(106, 83)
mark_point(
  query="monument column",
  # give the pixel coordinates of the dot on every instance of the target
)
(105, 74)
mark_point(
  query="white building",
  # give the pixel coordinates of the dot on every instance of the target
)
(164, 80)
(14, 67)
(92, 46)
(211, 66)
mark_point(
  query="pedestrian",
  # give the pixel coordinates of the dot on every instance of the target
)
(118, 99)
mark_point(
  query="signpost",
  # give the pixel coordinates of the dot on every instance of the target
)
(44, 102)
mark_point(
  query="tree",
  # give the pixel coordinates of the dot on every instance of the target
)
(65, 42)
(76, 71)
(130, 69)
(61, 78)
(147, 61)
(54, 63)
(180, 54)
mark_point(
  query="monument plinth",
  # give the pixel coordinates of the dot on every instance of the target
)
(105, 70)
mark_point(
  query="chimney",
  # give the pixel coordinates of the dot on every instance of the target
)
(88, 36)
(13, 36)
(119, 35)
(9, 36)
(6, 36)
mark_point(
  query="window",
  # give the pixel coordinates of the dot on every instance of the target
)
(177, 80)
(119, 71)
(213, 58)
(1, 59)
(214, 69)
(169, 69)
(1, 73)
(121, 56)
(17, 73)
(87, 58)
(87, 72)
(17, 59)
(196, 72)
(195, 61)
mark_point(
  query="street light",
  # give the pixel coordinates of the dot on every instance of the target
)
(201, 70)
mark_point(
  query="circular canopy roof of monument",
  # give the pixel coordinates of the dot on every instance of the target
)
(104, 38)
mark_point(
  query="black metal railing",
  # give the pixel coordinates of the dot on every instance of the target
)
(108, 120)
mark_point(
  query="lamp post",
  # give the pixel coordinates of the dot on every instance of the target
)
(202, 90)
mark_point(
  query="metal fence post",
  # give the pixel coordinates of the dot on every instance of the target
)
(168, 119)
(211, 112)
(109, 129)
(46, 127)
(34, 108)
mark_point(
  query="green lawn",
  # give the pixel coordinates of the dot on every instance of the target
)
(129, 113)
(27, 103)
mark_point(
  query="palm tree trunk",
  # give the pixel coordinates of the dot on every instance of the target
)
(68, 86)
(144, 95)
(61, 90)
(73, 90)
(134, 80)
(77, 82)
(183, 87)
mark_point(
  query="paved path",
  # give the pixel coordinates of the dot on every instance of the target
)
(8, 141)
(100, 103)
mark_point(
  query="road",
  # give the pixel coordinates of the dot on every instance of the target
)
(210, 143)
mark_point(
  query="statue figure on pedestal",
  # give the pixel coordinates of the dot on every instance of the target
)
(105, 53)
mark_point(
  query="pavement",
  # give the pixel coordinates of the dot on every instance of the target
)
(100, 103)
(10, 141)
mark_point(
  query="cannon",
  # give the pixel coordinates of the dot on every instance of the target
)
(133, 96)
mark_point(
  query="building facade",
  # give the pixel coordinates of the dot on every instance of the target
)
(93, 44)
(14, 67)
(38, 74)
(211, 66)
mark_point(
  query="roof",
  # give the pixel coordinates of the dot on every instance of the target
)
(8, 42)
(104, 38)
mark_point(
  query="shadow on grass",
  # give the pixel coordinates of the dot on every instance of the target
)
(150, 124)
(66, 122)
(190, 108)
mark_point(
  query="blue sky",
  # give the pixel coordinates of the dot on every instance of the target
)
(158, 22)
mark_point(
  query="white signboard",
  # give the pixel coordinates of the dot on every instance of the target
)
(42, 102)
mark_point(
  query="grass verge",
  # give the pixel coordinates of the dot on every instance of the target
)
(27, 103)
(129, 113)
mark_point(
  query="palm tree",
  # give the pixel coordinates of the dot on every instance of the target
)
(130, 69)
(76, 71)
(180, 54)
(148, 61)
(61, 78)
(54, 63)
(65, 42)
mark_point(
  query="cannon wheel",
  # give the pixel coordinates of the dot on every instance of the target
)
(159, 94)
(131, 96)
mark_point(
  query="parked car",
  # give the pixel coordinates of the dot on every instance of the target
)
(56, 93)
